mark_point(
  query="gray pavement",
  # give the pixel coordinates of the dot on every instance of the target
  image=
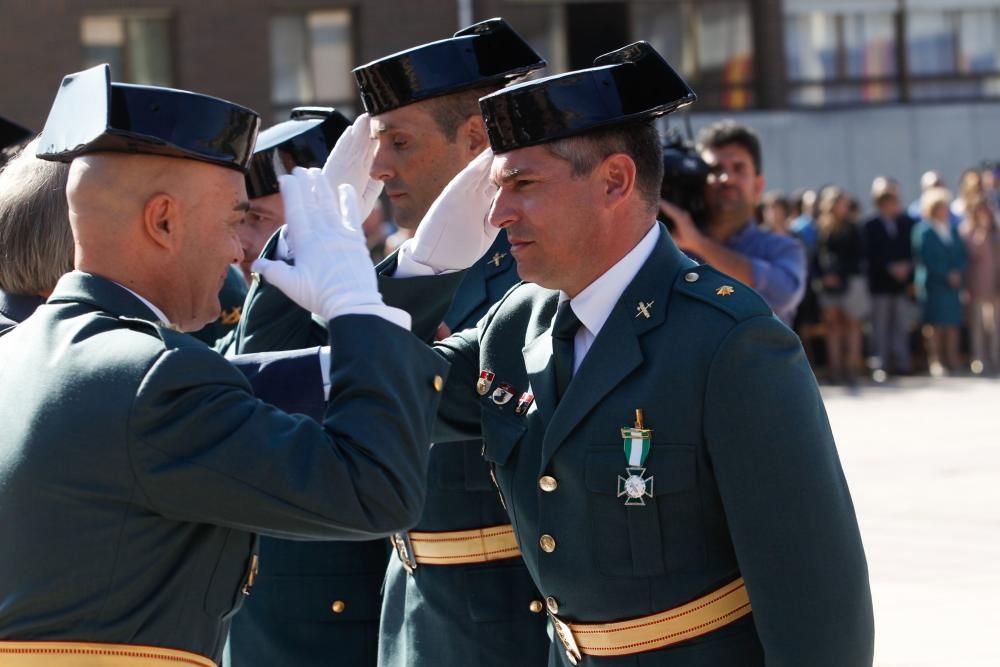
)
(922, 457)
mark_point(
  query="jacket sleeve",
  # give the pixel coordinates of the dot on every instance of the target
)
(787, 502)
(203, 449)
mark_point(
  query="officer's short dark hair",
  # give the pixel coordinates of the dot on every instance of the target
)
(450, 111)
(640, 141)
(726, 132)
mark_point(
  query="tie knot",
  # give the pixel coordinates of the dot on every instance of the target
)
(566, 323)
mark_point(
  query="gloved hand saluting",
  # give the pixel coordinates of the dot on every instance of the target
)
(456, 230)
(351, 160)
(333, 273)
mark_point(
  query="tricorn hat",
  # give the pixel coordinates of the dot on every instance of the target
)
(484, 53)
(12, 134)
(631, 84)
(90, 114)
(304, 141)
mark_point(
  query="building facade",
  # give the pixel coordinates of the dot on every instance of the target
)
(834, 85)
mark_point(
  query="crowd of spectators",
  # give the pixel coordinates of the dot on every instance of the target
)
(901, 289)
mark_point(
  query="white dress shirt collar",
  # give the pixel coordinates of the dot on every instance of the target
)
(156, 311)
(594, 304)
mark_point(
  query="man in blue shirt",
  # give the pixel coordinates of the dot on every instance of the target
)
(730, 240)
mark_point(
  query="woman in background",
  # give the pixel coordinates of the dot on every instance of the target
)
(982, 243)
(843, 291)
(940, 259)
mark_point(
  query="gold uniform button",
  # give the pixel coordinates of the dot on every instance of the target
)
(552, 605)
(438, 383)
(691, 277)
(536, 606)
(547, 543)
(548, 483)
(338, 606)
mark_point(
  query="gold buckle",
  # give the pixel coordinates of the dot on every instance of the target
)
(566, 637)
(401, 542)
(251, 574)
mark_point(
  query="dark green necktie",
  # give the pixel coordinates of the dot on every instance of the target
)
(564, 328)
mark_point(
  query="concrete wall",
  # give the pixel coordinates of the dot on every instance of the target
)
(850, 147)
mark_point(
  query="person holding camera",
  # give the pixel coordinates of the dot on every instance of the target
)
(729, 239)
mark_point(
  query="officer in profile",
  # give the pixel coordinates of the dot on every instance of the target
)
(456, 591)
(305, 140)
(655, 431)
(137, 466)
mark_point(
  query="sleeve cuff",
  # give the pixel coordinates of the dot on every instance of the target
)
(397, 316)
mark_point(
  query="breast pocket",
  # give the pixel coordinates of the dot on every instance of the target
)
(643, 540)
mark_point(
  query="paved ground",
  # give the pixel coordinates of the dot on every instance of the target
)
(923, 461)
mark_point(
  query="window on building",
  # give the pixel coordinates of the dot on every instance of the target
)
(952, 53)
(137, 45)
(841, 52)
(710, 42)
(312, 56)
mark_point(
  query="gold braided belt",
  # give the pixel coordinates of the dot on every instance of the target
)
(656, 631)
(89, 654)
(456, 547)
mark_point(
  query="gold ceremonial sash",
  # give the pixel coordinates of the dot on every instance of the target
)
(648, 633)
(89, 654)
(479, 545)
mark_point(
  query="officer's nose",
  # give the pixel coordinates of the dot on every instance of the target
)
(502, 214)
(381, 169)
(239, 252)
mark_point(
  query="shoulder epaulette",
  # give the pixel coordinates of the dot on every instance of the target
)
(725, 293)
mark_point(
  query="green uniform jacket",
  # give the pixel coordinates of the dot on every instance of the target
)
(136, 467)
(747, 478)
(443, 616)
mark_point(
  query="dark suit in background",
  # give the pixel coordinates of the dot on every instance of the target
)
(888, 242)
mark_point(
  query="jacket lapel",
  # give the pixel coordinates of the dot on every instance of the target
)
(472, 293)
(616, 352)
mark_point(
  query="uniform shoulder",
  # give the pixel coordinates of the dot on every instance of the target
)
(709, 286)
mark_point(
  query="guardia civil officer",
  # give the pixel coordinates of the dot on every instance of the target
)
(313, 602)
(137, 466)
(456, 591)
(656, 433)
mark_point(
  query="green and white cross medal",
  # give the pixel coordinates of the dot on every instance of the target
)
(635, 486)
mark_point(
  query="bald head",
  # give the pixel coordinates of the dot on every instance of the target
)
(164, 227)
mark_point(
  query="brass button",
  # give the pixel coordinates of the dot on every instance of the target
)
(548, 483)
(691, 277)
(438, 383)
(338, 606)
(536, 606)
(547, 543)
(552, 605)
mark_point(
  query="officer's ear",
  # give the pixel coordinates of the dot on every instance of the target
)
(161, 220)
(472, 137)
(617, 176)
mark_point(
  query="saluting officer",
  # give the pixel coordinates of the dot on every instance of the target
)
(457, 591)
(311, 604)
(655, 431)
(136, 464)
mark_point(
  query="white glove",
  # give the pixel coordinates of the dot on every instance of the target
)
(333, 272)
(350, 162)
(456, 230)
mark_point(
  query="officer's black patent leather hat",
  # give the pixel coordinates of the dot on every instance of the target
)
(484, 53)
(304, 141)
(90, 114)
(631, 84)
(12, 134)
